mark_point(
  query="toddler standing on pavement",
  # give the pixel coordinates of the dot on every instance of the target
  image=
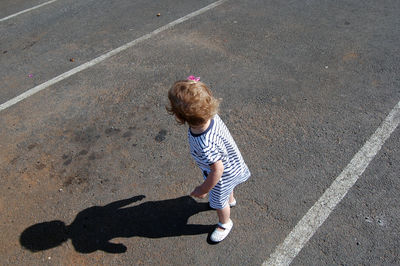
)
(211, 146)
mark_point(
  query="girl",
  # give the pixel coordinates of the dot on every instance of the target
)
(211, 146)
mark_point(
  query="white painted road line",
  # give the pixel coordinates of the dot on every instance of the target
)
(105, 56)
(315, 217)
(27, 10)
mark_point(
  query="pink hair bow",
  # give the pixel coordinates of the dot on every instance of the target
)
(193, 78)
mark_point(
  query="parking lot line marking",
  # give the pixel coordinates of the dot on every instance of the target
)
(319, 212)
(27, 10)
(105, 56)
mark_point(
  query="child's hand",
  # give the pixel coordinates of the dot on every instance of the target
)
(197, 192)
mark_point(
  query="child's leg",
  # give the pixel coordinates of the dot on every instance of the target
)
(231, 198)
(224, 214)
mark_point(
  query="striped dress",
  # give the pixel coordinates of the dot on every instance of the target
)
(214, 144)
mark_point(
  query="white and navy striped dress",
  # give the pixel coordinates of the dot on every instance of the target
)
(214, 144)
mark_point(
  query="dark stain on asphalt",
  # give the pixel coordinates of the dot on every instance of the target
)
(92, 156)
(67, 162)
(87, 135)
(40, 166)
(74, 180)
(112, 130)
(127, 134)
(33, 145)
(80, 177)
(29, 45)
(13, 161)
(161, 135)
(69, 181)
(83, 152)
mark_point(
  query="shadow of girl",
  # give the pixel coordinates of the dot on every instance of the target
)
(94, 227)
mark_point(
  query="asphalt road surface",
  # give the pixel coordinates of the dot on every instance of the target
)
(94, 171)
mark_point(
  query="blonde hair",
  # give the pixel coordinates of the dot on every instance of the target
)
(192, 102)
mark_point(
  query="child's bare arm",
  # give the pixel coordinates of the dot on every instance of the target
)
(213, 177)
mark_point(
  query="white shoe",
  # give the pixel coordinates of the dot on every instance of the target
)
(219, 235)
